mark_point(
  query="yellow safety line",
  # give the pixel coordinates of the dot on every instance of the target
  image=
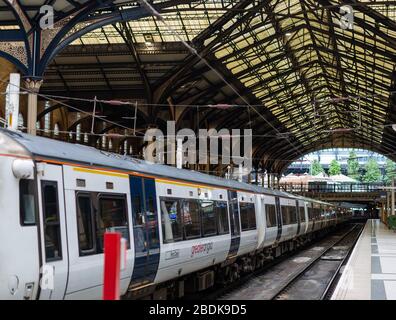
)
(105, 173)
(185, 184)
(141, 286)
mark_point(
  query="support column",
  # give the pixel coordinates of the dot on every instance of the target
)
(387, 205)
(272, 180)
(33, 86)
(393, 197)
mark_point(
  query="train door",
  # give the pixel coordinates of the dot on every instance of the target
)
(145, 230)
(298, 218)
(313, 217)
(53, 233)
(97, 202)
(235, 223)
(271, 220)
(278, 218)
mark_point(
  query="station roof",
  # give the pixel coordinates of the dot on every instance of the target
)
(295, 75)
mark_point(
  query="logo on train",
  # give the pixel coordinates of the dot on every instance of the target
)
(201, 248)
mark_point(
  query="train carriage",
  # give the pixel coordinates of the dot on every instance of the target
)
(184, 230)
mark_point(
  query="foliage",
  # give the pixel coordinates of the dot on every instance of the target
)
(353, 165)
(316, 168)
(334, 168)
(390, 171)
(373, 172)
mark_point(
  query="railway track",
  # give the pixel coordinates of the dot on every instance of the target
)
(317, 279)
(308, 274)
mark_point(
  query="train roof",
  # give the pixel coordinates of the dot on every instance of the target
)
(76, 153)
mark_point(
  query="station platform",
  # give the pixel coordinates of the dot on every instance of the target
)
(370, 273)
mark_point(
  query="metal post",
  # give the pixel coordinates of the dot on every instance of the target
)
(13, 102)
(135, 119)
(93, 117)
(393, 197)
(112, 266)
(387, 204)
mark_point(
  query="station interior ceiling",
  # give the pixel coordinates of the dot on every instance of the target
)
(286, 69)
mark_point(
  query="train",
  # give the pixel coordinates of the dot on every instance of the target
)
(185, 231)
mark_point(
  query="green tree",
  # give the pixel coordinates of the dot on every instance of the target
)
(353, 165)
(334, 168)
(390, 171)
(316, 168)
(373, 173)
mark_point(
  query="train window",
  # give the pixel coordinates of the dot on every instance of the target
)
(112, 217)
(85, 226)
(271, 215)
(244, 216)
(191, 219)
(289, 215)
(52, 232)
(138, 215)
(252, 217)
(222, 217)
(27, 202)
(302, 214)
(171, 220)
(234, 212)
(310, 213)
(317, 213)
(285, 215)
(139, 227)
(248, 216)
(151, 214)
(293, 214)
(208, 218)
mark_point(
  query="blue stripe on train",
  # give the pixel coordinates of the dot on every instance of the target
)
(234, 247)
(235, 224)
(146, 236)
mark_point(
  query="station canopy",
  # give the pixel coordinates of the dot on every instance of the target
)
(295, 72)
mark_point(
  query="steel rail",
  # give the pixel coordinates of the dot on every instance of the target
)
(298, 275)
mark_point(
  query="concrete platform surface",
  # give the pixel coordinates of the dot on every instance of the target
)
(370, 273)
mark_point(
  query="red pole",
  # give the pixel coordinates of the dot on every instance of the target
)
(112, 255)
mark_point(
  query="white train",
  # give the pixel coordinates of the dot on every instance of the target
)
(185, 230)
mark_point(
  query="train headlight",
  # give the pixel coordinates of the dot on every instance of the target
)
(23, 169)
